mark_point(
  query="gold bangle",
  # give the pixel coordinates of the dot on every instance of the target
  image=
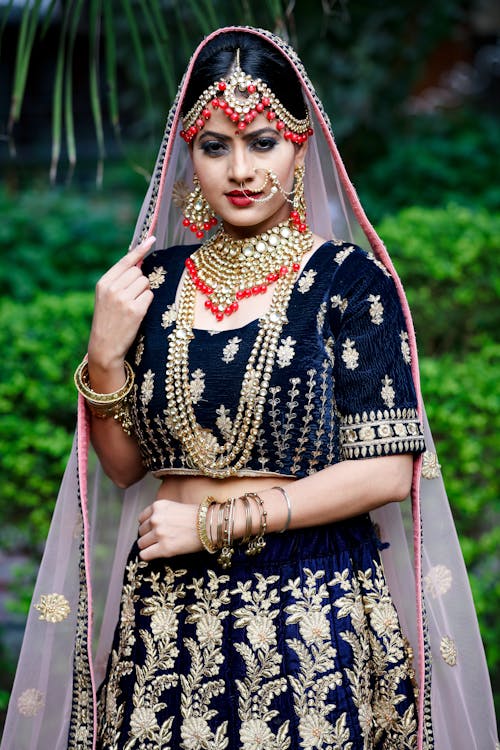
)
(203, 507)
(82, 383)
(227, 549)
(258, 543)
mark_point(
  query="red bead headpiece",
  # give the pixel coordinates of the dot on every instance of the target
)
(242, 99)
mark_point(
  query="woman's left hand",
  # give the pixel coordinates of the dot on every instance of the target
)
(168, 528)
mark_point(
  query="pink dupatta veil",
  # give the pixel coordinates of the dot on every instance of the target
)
(76, 599)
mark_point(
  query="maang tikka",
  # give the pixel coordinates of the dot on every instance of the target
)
(198, 214)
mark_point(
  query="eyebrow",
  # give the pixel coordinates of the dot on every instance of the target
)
(245, 136)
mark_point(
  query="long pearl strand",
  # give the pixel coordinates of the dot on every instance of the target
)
(203, 450)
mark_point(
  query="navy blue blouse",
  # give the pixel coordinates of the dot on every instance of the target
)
(341, 387)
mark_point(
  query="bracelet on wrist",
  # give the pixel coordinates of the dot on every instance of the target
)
(288, 506)
(203, 507)
(106, 405)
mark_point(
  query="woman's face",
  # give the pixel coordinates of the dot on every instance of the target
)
(228, 163)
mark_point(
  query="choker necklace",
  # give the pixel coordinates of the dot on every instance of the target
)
(204, 452)
(227, 270)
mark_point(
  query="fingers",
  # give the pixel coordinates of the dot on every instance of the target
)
(131, 259)
(151, 553)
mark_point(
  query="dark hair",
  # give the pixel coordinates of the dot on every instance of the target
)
(258, 58)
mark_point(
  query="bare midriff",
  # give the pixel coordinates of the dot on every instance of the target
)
(194, 489)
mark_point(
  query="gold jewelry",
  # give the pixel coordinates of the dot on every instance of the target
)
(227, 270)
(106, 405)
(258, 543)
(248, 520)
(275, 188)
(298, 213)
(288, 505)
(203, 507)
(203, 449)
(198, 215)
(227, 549)
(242, 98)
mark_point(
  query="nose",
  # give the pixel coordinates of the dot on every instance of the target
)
(241, 167)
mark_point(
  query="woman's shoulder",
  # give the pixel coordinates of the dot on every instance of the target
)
(343, 260)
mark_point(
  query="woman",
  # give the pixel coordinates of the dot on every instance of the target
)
(267, 378)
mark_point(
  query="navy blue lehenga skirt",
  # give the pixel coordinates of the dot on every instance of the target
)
(298, 647)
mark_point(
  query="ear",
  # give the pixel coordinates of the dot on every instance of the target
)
(300, 153)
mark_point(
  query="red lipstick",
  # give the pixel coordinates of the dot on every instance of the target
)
(241, 199)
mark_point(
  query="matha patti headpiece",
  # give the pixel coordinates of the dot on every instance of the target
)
(242, 98)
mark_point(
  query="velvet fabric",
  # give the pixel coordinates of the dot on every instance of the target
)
(298, 647)
(341, 386)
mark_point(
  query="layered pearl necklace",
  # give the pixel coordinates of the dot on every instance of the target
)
(227, 270)
(201, 446)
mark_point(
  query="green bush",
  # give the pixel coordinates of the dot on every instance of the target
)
(56, 241)
(449, 261)
(45, 340)
(434, 161)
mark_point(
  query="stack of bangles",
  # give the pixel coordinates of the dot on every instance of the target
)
(106, 405)
(216, 524)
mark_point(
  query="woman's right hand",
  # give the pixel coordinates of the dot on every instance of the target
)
(123, 296)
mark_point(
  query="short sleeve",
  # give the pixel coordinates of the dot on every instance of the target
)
(374, 390)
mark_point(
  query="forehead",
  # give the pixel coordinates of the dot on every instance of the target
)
(220, 124)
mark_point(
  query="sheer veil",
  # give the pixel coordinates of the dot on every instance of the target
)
(75, 603)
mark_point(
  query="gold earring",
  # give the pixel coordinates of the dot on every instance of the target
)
(198, 215)
(298, 213)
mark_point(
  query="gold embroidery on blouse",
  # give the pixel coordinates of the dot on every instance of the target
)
(438, 580)
(320, 426)
(262, 457)
(169, 316)
(376, 309)
(379, 264)
(448, 650)
(197, 385)
(231, 349)
(286, 352)
(307, 418)
(430, 465)
(387, 392)
(147, 387)
(260, 607)
(350, 354)
(30, 702)
(338, 301)
(380, 432)
(306, 281)
(343, 254)
(320, 317)
(291, 415)
(53, 608)
(157, 277)
(224, 421)
(405, 347)
(139, 350)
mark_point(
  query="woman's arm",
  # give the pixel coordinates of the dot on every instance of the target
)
(123, 296)
(347, 489)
